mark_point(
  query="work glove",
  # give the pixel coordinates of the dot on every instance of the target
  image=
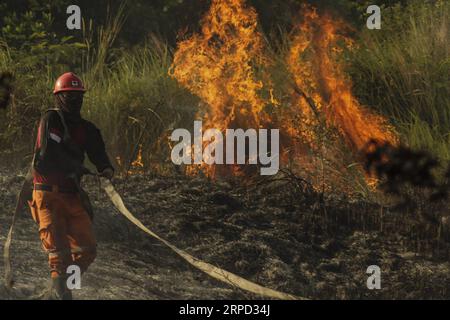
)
(108, 173)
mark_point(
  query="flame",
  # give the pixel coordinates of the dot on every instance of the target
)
(317, 38)
(222, 65)
(138, 163)
(218, 65)
(136, 166)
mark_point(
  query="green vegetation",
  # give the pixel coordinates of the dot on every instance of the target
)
(403, 71)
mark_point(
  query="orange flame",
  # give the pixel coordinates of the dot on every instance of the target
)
(218, 65)
(138, 163)
(317, 38)
(222, 65)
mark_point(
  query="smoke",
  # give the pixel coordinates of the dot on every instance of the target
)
(399, 166)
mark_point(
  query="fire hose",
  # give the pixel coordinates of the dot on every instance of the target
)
(20, 201)
(211, 270)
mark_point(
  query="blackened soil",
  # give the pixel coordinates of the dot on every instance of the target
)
(267, 232)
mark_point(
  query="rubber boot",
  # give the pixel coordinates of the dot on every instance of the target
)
(58, 289)
(60, 285)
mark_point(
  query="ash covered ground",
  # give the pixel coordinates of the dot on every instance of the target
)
(273, 232)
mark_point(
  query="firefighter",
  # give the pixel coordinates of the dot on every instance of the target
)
(65, 226)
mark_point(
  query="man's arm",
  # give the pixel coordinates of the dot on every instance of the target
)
(96, 151)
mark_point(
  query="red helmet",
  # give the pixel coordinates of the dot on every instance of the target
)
(68, 82)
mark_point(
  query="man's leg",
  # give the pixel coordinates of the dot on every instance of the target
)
(53, 231)
(80, 234)
(48, 212)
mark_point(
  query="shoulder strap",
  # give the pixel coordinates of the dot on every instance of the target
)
(66, 135)
(44, 132)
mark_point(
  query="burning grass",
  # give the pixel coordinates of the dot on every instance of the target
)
(227, 66)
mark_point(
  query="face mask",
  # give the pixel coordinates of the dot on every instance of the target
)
(70, 102)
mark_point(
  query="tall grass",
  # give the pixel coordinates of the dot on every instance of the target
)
(137, 103)
(131, 98)
(403, 71)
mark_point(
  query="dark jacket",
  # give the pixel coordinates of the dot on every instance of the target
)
(57, 158)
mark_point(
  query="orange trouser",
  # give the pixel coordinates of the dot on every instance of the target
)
(65, 230)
